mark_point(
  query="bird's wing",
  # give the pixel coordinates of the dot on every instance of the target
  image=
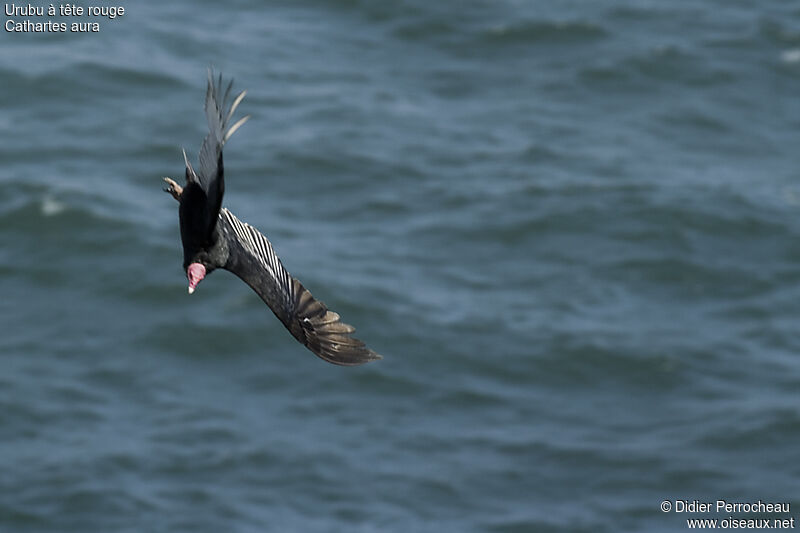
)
(210, 173)
(309, 321)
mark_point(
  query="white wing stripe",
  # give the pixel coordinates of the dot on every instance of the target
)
(260, 247)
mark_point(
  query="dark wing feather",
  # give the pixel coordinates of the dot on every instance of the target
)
(210, 174)
(252, 258)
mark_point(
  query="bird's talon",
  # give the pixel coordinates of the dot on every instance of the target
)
(174, 189)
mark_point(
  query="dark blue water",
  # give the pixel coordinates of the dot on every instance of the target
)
(571, 229)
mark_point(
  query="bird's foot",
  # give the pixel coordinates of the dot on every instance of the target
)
(174, 189)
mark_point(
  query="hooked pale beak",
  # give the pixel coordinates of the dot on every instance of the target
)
(196, 272)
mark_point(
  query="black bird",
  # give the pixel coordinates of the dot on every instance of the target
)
(214, 238)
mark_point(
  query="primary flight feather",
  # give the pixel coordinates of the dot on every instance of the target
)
(214, 238)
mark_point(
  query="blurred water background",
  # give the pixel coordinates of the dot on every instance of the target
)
(572, 228)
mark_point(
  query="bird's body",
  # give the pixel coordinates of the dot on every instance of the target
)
(214, 238)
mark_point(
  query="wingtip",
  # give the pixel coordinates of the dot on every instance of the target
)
(353, 359)
(239, 123)
(370, 357)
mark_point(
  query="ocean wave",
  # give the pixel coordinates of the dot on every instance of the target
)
(476, 37)
(544, 32)
(34, 212)
(791, 56)
(82, 79)
(778, 32)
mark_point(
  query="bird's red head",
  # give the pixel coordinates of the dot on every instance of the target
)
(196, 272)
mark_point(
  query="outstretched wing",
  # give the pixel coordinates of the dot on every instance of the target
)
(252, 258)
(206, 187)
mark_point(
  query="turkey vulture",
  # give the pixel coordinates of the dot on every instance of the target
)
(214, 238)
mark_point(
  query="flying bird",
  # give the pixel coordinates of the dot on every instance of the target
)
(214, 238)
